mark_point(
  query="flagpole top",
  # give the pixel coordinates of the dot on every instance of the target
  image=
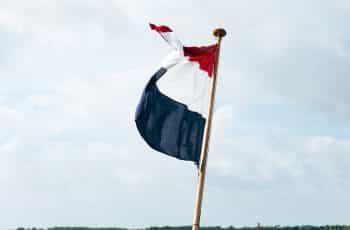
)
(219, 32)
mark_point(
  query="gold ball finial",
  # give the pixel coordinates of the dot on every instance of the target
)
(219, 32)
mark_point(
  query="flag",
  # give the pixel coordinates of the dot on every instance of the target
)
(172, 111)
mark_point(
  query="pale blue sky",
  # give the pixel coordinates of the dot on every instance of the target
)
(71, 74)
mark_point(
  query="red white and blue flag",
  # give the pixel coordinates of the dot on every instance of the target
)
(172, 112)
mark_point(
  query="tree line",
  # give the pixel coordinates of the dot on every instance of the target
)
(277, 227)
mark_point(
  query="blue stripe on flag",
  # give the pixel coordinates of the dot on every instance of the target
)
(167, 125)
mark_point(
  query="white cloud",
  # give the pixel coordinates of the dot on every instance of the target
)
(254, 161)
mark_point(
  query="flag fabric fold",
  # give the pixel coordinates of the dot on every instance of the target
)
(172, 111)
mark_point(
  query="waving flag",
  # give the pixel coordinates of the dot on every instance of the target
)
(172, 112)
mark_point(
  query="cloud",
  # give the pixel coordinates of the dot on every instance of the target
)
(254, 162)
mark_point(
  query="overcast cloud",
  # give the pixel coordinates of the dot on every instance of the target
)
(71, 73)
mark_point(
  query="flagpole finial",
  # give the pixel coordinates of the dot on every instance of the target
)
(219, 32)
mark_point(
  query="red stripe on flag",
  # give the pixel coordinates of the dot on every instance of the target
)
(160, 28)
(204, 55)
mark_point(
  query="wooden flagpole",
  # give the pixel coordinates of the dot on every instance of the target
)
(219, 34)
